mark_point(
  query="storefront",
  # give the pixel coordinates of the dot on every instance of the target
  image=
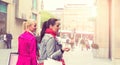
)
(3, 22)
(3, 17)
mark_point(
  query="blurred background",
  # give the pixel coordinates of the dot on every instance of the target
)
(94, 21)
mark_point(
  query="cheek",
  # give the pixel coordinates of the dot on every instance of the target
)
(35, 28)
(57, 28)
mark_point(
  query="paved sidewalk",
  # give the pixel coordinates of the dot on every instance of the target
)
(74, 57)
(4, 56)
(78, 57)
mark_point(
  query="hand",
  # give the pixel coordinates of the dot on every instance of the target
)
(66, 49)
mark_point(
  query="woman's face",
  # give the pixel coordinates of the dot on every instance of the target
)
(33, 27)
(56, 27)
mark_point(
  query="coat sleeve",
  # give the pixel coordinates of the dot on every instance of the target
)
(50, 49)
(33, 51)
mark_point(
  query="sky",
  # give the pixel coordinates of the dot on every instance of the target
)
(53, 4)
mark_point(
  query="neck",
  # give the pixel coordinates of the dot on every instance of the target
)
(30, 32)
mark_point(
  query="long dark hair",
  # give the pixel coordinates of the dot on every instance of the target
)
(46, 25)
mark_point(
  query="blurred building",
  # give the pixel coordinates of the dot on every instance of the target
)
(77, 17)
(14, 12)
(107, 29)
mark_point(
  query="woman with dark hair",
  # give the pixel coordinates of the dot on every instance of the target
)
(49, 46)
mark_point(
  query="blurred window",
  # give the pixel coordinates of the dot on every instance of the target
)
(34, 4)
(3, 7)
(34, 16)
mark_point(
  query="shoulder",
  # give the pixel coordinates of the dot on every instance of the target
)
(48, 36)
(27, 35)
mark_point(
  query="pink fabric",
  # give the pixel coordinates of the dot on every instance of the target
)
(27, 49)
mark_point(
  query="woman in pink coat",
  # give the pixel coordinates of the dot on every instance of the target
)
(27, 45)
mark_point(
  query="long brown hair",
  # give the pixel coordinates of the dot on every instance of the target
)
(46, 25)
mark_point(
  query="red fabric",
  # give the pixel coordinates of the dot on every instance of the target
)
(41, 64)
(50, 31)
(63, 62)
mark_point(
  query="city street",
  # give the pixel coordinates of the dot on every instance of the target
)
(76, 22)
(73, 57)
(4, 56)
(78, 57)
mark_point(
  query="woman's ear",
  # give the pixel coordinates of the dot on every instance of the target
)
(51, 26)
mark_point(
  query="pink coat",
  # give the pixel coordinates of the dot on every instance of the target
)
(27, 49)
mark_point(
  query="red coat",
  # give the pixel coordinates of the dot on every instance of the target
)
(27, 49)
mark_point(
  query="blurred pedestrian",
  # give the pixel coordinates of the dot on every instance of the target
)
(83, 44)
(72, 42)
(49, 46)
(27, 45)
(87, 44)
(8, 41)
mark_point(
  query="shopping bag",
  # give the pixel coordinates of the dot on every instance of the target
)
(13, 58)
(52, 62)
